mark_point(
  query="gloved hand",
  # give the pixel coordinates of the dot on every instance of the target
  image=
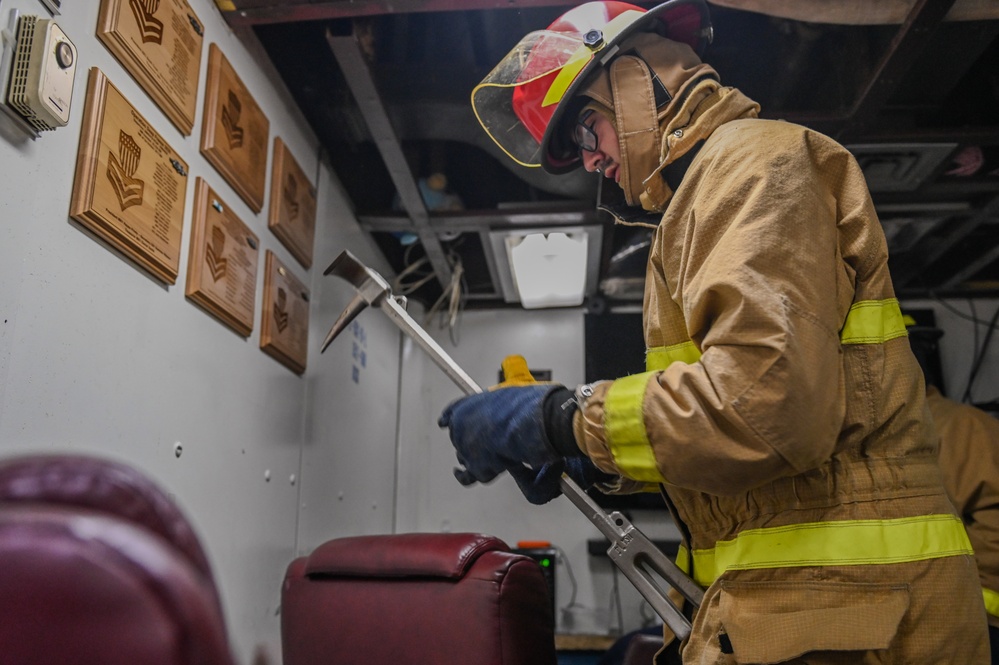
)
(522, 427)
(496, 430)
(515, 373)
(542, 486)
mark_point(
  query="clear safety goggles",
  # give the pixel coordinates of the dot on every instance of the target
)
(583, 135)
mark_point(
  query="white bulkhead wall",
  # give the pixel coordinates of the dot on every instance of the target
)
(96, 357)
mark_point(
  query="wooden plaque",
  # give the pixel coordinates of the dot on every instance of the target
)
(293, 205)
(159, 43)
(284, 327)
(234, 131)
(222, 266)
(130, 185)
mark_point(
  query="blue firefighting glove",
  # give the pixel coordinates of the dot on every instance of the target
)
(522, 427)
(542, 486)
(499, 429)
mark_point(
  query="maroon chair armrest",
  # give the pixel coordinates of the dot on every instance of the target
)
(446, 599)
(404, 555)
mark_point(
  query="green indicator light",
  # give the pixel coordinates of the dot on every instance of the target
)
(546, 562)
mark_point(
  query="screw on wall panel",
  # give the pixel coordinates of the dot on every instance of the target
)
(178, 449)
(292, 479)
(267, 475)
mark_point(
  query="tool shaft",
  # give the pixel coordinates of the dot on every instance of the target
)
(630, 550)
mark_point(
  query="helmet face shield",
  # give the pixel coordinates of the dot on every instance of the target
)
(509, 101)
(522, 102)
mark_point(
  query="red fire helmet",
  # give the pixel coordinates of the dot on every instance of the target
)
(522, 101)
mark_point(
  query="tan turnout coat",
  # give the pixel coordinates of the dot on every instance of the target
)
(969, 458)
(767, 413)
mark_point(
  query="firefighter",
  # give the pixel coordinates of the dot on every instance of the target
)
(782, 415)
(969, 459)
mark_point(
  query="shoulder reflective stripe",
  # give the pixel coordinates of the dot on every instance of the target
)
(582, 56)
(846, 543)
(661, 357)
(873, 322)
(991, 601)
(624, 427)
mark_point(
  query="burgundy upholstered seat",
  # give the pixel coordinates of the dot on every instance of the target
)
(422, 598)
(99, 566)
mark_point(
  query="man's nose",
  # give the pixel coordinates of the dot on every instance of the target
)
(591, 160)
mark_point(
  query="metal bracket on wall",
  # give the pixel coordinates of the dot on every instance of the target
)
(348, 55)
(52, 5)
(8, 36)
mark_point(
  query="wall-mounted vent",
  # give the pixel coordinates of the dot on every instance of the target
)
(900, 167)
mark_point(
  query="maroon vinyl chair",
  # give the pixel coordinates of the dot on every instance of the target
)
(419, 599)
(99, 566)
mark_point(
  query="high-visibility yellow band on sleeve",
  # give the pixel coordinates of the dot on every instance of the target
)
(873, 322)
(991, 601)
(661, 357)
(624, 426)
(868, 322)
(683, 559)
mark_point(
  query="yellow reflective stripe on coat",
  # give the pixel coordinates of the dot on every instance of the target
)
(844, 543)
(873, 322)
(683, 559)
(625, 429)
(661, 357)
(868, 322)
(991, 601)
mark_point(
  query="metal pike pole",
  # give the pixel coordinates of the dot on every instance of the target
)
(630, 550)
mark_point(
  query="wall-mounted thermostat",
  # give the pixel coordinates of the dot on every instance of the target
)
(42, 73)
